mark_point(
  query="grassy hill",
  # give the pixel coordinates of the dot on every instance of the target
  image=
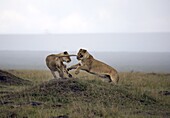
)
(137, 95)
(10, 79)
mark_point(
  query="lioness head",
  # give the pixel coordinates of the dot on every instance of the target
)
(66, 57)
(82, 54)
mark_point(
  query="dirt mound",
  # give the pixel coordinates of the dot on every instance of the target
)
(67, 91)
(88, 97)
(87, 94)
(7, 78)
(63, 85)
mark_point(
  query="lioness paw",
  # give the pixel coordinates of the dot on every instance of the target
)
(76, 72)
(68, 69)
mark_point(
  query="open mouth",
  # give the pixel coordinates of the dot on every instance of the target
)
(79, 57)
(68, 61)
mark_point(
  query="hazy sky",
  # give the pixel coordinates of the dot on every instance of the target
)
(84, 16)
(49, 17)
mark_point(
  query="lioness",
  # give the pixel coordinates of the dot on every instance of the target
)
(93, 66)
(55, 63)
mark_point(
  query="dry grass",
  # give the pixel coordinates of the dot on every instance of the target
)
(87, 96)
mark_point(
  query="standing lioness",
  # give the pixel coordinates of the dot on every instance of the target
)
(93, 66)
(55, 63)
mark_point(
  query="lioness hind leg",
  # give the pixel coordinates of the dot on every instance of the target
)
(114, 78)
(61, 74)
(106, 77)
(54, 75)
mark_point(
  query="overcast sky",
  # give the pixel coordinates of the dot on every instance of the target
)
(50, 17)
(84, 16)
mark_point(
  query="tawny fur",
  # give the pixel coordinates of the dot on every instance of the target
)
(93, 66)
(55, 63)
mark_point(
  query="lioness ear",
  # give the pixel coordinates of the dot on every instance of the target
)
(65, 52)
(84, 51)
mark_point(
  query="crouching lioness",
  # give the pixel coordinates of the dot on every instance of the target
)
(55, 63)
(93, 66)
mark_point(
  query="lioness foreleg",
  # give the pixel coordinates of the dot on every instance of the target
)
(66, 72)
(81, 67)
(73, 67)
